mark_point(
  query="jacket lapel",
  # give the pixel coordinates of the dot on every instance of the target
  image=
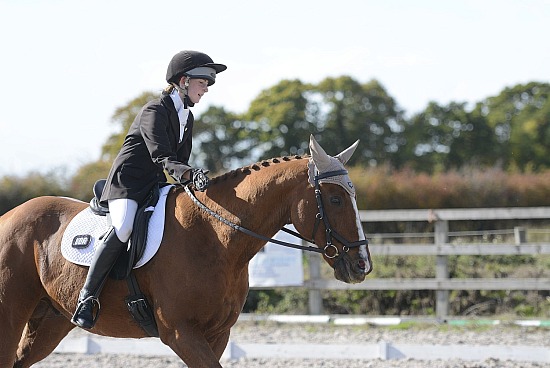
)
(188, 128)
(174, 121)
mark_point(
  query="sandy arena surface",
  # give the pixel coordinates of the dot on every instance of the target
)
(270, 332)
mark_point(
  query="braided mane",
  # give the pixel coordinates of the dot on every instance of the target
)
(246, 170)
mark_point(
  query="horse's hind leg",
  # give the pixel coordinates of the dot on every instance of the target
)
(20, 291)
(43, 332)
(12, 324)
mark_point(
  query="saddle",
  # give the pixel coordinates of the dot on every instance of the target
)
(128, 259)
(137, 303)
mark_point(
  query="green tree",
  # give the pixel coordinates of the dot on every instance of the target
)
(351, 111)
(276, 122)
(474, 143)
(215, 137)
(520, 119)
(81, 183)
(337, 110)
(15, 190)
(217, 144)
(444, 137)
(123, 118)
(83, 180)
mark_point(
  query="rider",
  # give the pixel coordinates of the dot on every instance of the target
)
(159, 139)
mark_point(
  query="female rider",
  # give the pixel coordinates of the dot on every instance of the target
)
(160, 138)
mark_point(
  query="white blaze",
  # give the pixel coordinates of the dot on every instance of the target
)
(363, 248)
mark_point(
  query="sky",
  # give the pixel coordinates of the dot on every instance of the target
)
(67, 65)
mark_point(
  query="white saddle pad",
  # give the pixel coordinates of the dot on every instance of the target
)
(85, 229)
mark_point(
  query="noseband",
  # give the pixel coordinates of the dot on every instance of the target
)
(330, 250)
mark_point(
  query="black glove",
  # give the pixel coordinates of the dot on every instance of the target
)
(199, 179)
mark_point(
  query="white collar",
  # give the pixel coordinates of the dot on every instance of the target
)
(183, 114)
(178, 103)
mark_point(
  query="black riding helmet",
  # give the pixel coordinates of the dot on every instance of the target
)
(193, 64)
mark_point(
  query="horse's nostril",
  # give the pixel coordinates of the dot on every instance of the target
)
(361, 263)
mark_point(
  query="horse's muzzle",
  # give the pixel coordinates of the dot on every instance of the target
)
(351, 269)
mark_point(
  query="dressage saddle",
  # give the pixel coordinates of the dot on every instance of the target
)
(127, 260)
(137, 303)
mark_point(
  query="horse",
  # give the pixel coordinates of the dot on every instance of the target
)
(197, 282)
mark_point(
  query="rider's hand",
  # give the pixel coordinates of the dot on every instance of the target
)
(197, 177)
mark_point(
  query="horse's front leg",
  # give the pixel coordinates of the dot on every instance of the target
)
(219, 343)
(192, 347)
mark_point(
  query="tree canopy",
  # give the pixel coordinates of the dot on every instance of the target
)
(509, 131)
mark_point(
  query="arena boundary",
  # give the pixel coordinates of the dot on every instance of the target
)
(383, 350)
(93, 344)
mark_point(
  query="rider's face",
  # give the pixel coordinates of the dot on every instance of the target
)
(197, 88)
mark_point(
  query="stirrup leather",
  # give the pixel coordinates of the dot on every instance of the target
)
(93, 300)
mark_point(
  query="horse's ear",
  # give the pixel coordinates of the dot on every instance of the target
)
(346, 154)
(320, 157)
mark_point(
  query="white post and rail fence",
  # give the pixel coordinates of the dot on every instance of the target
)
(441, 248)
(276, 266)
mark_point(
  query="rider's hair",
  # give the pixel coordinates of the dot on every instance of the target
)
(169, 89)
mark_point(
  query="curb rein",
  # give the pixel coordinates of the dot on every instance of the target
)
(330, 250)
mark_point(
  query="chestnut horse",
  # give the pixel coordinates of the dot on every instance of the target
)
(197, 282)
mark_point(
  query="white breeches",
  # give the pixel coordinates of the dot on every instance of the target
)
(123, 211)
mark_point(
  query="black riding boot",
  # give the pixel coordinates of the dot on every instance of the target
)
(103, 261)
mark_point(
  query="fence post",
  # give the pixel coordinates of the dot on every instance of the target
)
(520, 235)
(441, 237)
(315, 299)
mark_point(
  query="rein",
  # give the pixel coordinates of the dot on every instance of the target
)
(249, 232)
(330, 250)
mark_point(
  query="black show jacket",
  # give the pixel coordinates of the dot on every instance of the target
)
(150, 147)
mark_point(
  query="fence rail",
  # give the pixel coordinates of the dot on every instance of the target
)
(441, 249)
(457, 214)
(434, 284)
(461, 250)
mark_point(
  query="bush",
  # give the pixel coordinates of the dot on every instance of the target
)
(383, 188)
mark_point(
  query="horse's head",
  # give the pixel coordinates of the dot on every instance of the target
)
(332, 216)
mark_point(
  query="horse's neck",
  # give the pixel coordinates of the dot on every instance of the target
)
(260, 201)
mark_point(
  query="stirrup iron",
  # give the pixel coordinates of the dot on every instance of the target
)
(93, 300)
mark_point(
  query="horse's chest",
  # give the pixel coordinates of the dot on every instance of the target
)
(214, 300)
(235, 295)
(222, 309)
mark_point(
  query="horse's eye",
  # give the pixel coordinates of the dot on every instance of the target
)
(336, 200)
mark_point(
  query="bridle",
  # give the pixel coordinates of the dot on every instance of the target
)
(330, 250)
(329, 232)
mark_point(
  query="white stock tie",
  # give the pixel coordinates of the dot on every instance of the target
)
(183, 113)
